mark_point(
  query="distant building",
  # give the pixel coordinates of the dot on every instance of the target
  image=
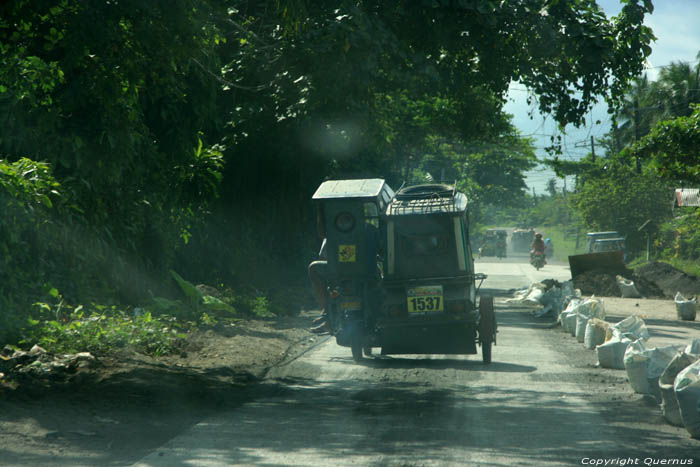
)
(687, 197)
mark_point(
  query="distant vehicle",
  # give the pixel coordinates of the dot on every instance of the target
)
(592, 237)
(521, 239)
(605, 251)
(494, 243)
(610, 244)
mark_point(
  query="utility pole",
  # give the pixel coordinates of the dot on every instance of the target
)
(563, 192)
(636, 131)
(592, 149)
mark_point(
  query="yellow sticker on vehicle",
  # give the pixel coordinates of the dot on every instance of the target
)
(425, 299)
(347, 253)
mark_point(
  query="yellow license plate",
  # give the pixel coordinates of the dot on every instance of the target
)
(350, 306)
(425, 299)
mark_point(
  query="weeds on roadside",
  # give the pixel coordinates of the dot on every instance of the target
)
(160, 327)
(102, 329)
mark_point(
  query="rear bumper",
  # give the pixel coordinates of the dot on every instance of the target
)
(453, 338)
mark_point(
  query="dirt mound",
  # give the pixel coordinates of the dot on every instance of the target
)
(669, 279)
(602, 283)
(597, 282)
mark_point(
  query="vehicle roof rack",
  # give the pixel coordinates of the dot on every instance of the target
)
(427, 199)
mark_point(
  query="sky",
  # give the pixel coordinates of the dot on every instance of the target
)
(676, 25)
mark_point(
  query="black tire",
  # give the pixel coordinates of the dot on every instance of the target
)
(486, 352)
(487, 327)
(356, 348)
(367, 351)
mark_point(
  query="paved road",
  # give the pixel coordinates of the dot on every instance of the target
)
(535, 405)
(515, 272)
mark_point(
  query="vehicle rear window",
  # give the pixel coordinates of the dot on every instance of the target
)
(424, 245)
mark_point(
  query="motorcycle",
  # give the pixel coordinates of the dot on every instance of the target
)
(537, 260)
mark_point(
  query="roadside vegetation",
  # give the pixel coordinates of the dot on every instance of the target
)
(145, 146)
(653, 149)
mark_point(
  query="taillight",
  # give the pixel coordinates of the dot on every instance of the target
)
(345, 222)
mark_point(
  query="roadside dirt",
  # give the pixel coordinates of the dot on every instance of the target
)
(124, 406)
(653, 280)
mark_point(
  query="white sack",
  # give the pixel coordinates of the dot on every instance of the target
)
(529, 296)
(627, 288)
(611, 354)
(570, 308)
(693, 348)
(632, 327)
(595, 333)
(581, 322)
(669, 403)
(659, 360)
(685, 309)
(589, 308)
(687, 387)
(636, 361)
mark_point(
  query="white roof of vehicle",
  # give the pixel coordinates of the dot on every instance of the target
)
(361, 188)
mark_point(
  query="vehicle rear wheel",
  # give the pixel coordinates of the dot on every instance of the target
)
(487, 327)
(356, 348)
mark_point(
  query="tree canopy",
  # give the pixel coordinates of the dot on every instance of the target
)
(151, 116)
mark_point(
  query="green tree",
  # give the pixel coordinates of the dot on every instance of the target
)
(673, 147)
(620, 199)
(115, 96)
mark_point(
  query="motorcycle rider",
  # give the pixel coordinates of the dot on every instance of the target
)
(537, 246)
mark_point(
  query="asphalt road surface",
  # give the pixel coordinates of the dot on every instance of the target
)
(536, 404)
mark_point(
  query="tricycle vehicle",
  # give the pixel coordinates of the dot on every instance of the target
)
(494, 243)
(522, 239)
(400, 270)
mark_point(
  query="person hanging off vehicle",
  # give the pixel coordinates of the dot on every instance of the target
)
(537, 246)
(318, 271)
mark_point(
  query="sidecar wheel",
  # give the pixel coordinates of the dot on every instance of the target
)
(487, 327)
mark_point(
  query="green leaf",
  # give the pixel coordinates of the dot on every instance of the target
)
(188, 288)
(213, 303)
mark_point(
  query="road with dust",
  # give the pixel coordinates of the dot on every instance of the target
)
(541, 402)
